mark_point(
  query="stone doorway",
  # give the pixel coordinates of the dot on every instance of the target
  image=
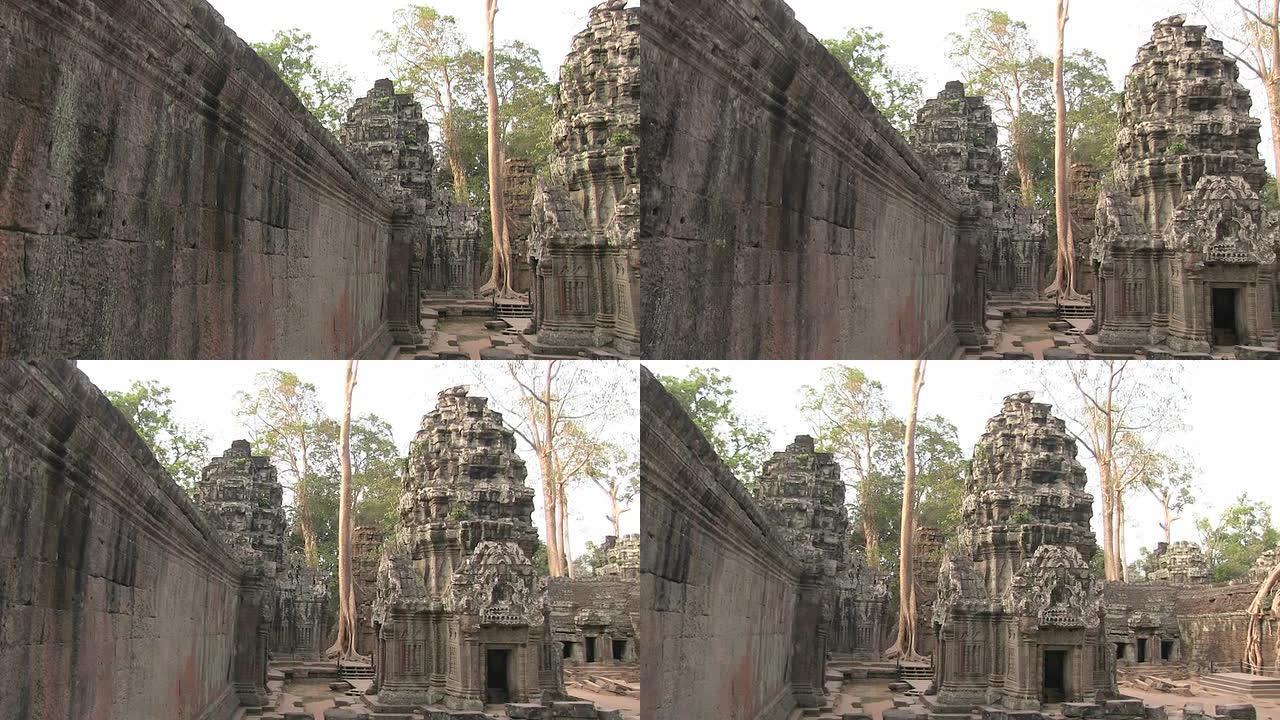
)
(1226, 326)
(1054, 689)
(591, 649)
(497, 683)
(619, 649)
(1142, 650)
(1166, 650)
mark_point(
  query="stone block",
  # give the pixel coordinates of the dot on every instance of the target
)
(491, 353)
(1156, 712)
(573, 710)
(856, 716)
(340, 686)
(897, 713)
(1010, 355)
(1125, 708)
(609, 715)
(1237, 712)
(526, 711)
(1082, 710)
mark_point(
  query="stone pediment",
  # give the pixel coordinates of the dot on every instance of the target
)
(1223, 220)
(498, 584)
(1056, 589)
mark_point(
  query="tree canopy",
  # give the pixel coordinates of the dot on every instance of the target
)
(181, 449)
(324, 90)
(741, 442)
(897, 92)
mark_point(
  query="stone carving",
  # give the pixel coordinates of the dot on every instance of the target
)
(1185, 251)
(1018, 595)
(584, 236)
(456, 590)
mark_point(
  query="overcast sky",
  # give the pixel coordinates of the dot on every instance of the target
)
(1230, 419)
(916, 32)
(344, 32)
(401, 392)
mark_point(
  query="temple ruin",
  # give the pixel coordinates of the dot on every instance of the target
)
(216, 218)
(1185, 254)
(595, 619)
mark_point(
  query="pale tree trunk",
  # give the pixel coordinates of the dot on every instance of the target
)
(866, 492)
(545, 428)
(566, 556)
(1108, 517)
(500, 275)
(1120, 532)
(615, 517)
(1064, 277)
(344, 647)
(306, 523)
(1258, 613)
(905, 645)
(1168, 519)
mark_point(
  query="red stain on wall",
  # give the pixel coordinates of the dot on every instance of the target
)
(738, 692)
(341, 326)
(905, 329)
(186, 688)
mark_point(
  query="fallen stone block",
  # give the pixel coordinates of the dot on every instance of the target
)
(526, 711)
(1060, 353)
(573, 710)
(340, 686)
(609, 715)
(1081, 710)
(898, 714)
(1124, 708)
(1157, 712)
(1237, 712)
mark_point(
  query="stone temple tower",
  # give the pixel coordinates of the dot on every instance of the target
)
(1019, 618)
(1185, 252)
(461, 611)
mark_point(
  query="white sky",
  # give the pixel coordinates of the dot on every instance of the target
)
(1230, 419)
(204, 393)
(916, 32)
(344, 33)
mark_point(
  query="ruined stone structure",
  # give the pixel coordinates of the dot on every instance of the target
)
(1142, 625)
(118, 598)
(784, 207)
(623, 555)
(1181, 563)
(461, 613)
(1086, 182)
(1019, 616)
(519, 195)
(926, 561)
(303, 615)
(595, 620)
(585, 216)
(731, 616)
(1185, 251)
(366, 549)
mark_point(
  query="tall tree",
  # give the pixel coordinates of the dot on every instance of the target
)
(1092, 116)
(1252, 31)
(323, 90)
(850, 415)
(1265, 604)
(1172, 485)
(180, 448)
(1000, 60)
(500, 266)
(1064, 284)
(428, 54)
(344, 647)
(740, 442)
(905, 646)
(897, 93)
(620, 482)
(287, 422)
(1110, 406)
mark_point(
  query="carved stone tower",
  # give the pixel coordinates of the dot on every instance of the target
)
(586, 222)
(1019, 617)
(1185, 251)
(461, 611)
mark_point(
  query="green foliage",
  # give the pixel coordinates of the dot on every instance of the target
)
(592, 558)
(180, 449)
(1177, 147)
(1092, 122)
(741, 443)
(325, 91)
(430, 57)
(459, 513)
(1242, 533)
(1141, 568)
(1270, 197)
(897, 93)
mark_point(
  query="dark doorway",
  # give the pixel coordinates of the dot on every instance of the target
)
(1166, 650)
(1055, 676)
(1142, 650)
(497, 677)
(619, 649)
(1226, 328)
(591, 649)
(1120, 648)
(568, 650)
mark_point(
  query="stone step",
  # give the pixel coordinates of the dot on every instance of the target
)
(1243, 684)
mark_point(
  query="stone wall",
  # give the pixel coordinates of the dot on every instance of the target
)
(732, 619)
(595, 619)
(164, 194)
(777, 200)
(117, 600)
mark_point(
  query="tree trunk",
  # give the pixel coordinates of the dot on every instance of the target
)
(615, 517)
(1257, 615)
(1273, 82)
(1108, 534)
(1124, 566)
(566, 556)
(546, 462)
(906, 643)
(344, 647)
(1062, 279)
(1168, 520)
(866, 491)
(1022, 162)
(500, 275)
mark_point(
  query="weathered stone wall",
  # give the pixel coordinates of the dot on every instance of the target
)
(117, 600)
(164, 194)
(596, 617)
(778, 202)
(730, 617)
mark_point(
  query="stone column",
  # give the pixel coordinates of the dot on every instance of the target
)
(249, 670)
